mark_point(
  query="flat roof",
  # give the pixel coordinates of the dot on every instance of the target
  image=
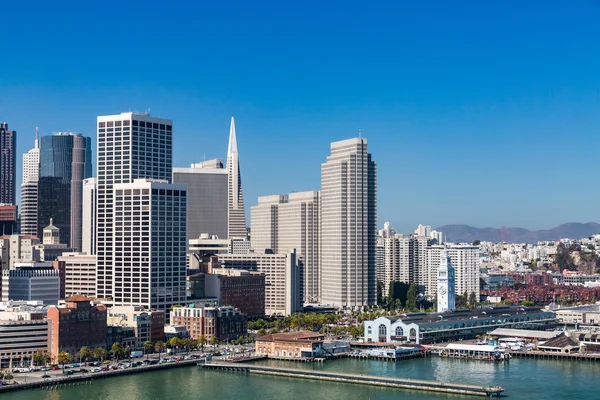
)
(522, 333)
(465, 315)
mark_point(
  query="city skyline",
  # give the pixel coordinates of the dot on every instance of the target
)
(495, 127)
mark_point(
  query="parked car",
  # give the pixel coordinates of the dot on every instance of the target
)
(96, 370)
(55, 368)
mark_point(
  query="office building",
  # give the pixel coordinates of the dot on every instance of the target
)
(88, 217)
(145, 148)
(282, 223)
(207, 184)
(51, 247)
(283, 294)
(8, 219)
(237, 216)
(224, 323)
(22, 333)
(348, 226)
(465, 260)
(149, 237)
(32, 281)
(8, 165)
(244, 290)
(80, 274)
(148, 325)
(29, 189)
(76, 324)
(21, 248)
(396, 260)
(65, 160)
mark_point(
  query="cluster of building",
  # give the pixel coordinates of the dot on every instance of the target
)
(416, 259)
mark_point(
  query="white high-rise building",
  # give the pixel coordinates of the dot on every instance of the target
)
(263, 219)
(446, 294)
(396, 260)
(207, 184)
(130, 146)
(465, 260)
(29, 189)
(237, 217)
(80, 274)
(283, 223)
(88, 216)
(348, 226)
(434, 256)
(423, 230)
(149, 236)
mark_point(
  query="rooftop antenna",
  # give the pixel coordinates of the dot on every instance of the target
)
(359, 133)
(148, 112)
(37, 137)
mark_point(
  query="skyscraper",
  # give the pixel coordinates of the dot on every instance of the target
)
(149, 236)
(88, 217)
(8, 164)
(237, 217)
(348, 226)
(282, 223)
(130, 146)
(29, 189)
(207, 197)
(65, 160)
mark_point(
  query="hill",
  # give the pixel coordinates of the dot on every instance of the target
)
(466, 233)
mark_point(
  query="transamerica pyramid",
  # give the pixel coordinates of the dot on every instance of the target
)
(237, 215)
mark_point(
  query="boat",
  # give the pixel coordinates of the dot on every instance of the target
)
(475, 352)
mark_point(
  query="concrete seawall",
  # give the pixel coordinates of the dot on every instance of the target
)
(53, 383)
(372, 380)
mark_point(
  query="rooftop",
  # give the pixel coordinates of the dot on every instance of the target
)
(464, 315)
(306, 336)
(525, 334)
(560, 342)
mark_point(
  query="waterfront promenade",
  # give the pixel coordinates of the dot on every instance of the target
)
(372, 380)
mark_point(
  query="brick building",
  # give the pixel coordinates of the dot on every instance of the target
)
(303, 344)
(241, 289)
(77, 324)
(8, 219)
(224, 323)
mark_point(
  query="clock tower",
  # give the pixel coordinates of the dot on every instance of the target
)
(445, 291)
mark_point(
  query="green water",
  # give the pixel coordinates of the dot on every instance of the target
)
(521, 378)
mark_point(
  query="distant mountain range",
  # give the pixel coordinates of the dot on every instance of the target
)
(466, 233)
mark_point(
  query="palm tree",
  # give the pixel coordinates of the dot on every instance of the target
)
(214, 341)
(116, 350)
(174, 343)
(41, 357)
(85, 353)
(202, 342)
(147, 347)
(99, 353)
(63, 358)
(159, 346)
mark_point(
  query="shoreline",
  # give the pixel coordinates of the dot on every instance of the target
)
(52, 383)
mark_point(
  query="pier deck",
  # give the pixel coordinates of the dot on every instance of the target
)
(414, 384)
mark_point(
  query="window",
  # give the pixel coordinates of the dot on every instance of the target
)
(382, 330)
(399, 331)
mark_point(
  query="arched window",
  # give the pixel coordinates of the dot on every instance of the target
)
(382, 330)
(369, 330)
(399, 331)
(413, 334)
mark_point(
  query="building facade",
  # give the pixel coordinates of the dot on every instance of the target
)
(8, 165)
(148, 325)
(9, 216)
(78, 323)
(224, 323)
(244, 290)
(446, 295)
(348, 226)
(88, 217)
(282, 278)
(36, 281)
(80, 274)
(149, 237)
(207, 184)
(145, 146)
(65, 161)
(21, 335)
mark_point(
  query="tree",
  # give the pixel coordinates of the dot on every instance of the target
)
(379, 293)
(476, 242)
(188, 344)
(8, 376)
(174, 343)
(99, 353)
(472, 299)
(214, 342)
(160, 347)
(411, 297)
(41, 357)
(84, 353)
(261, 332)
(147, 347)
(63, 358)
(202, 342)
(116, 350)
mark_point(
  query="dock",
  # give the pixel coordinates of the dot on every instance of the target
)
(548, 355)
(371, 380)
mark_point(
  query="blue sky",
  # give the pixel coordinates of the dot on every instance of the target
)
(484, 113)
